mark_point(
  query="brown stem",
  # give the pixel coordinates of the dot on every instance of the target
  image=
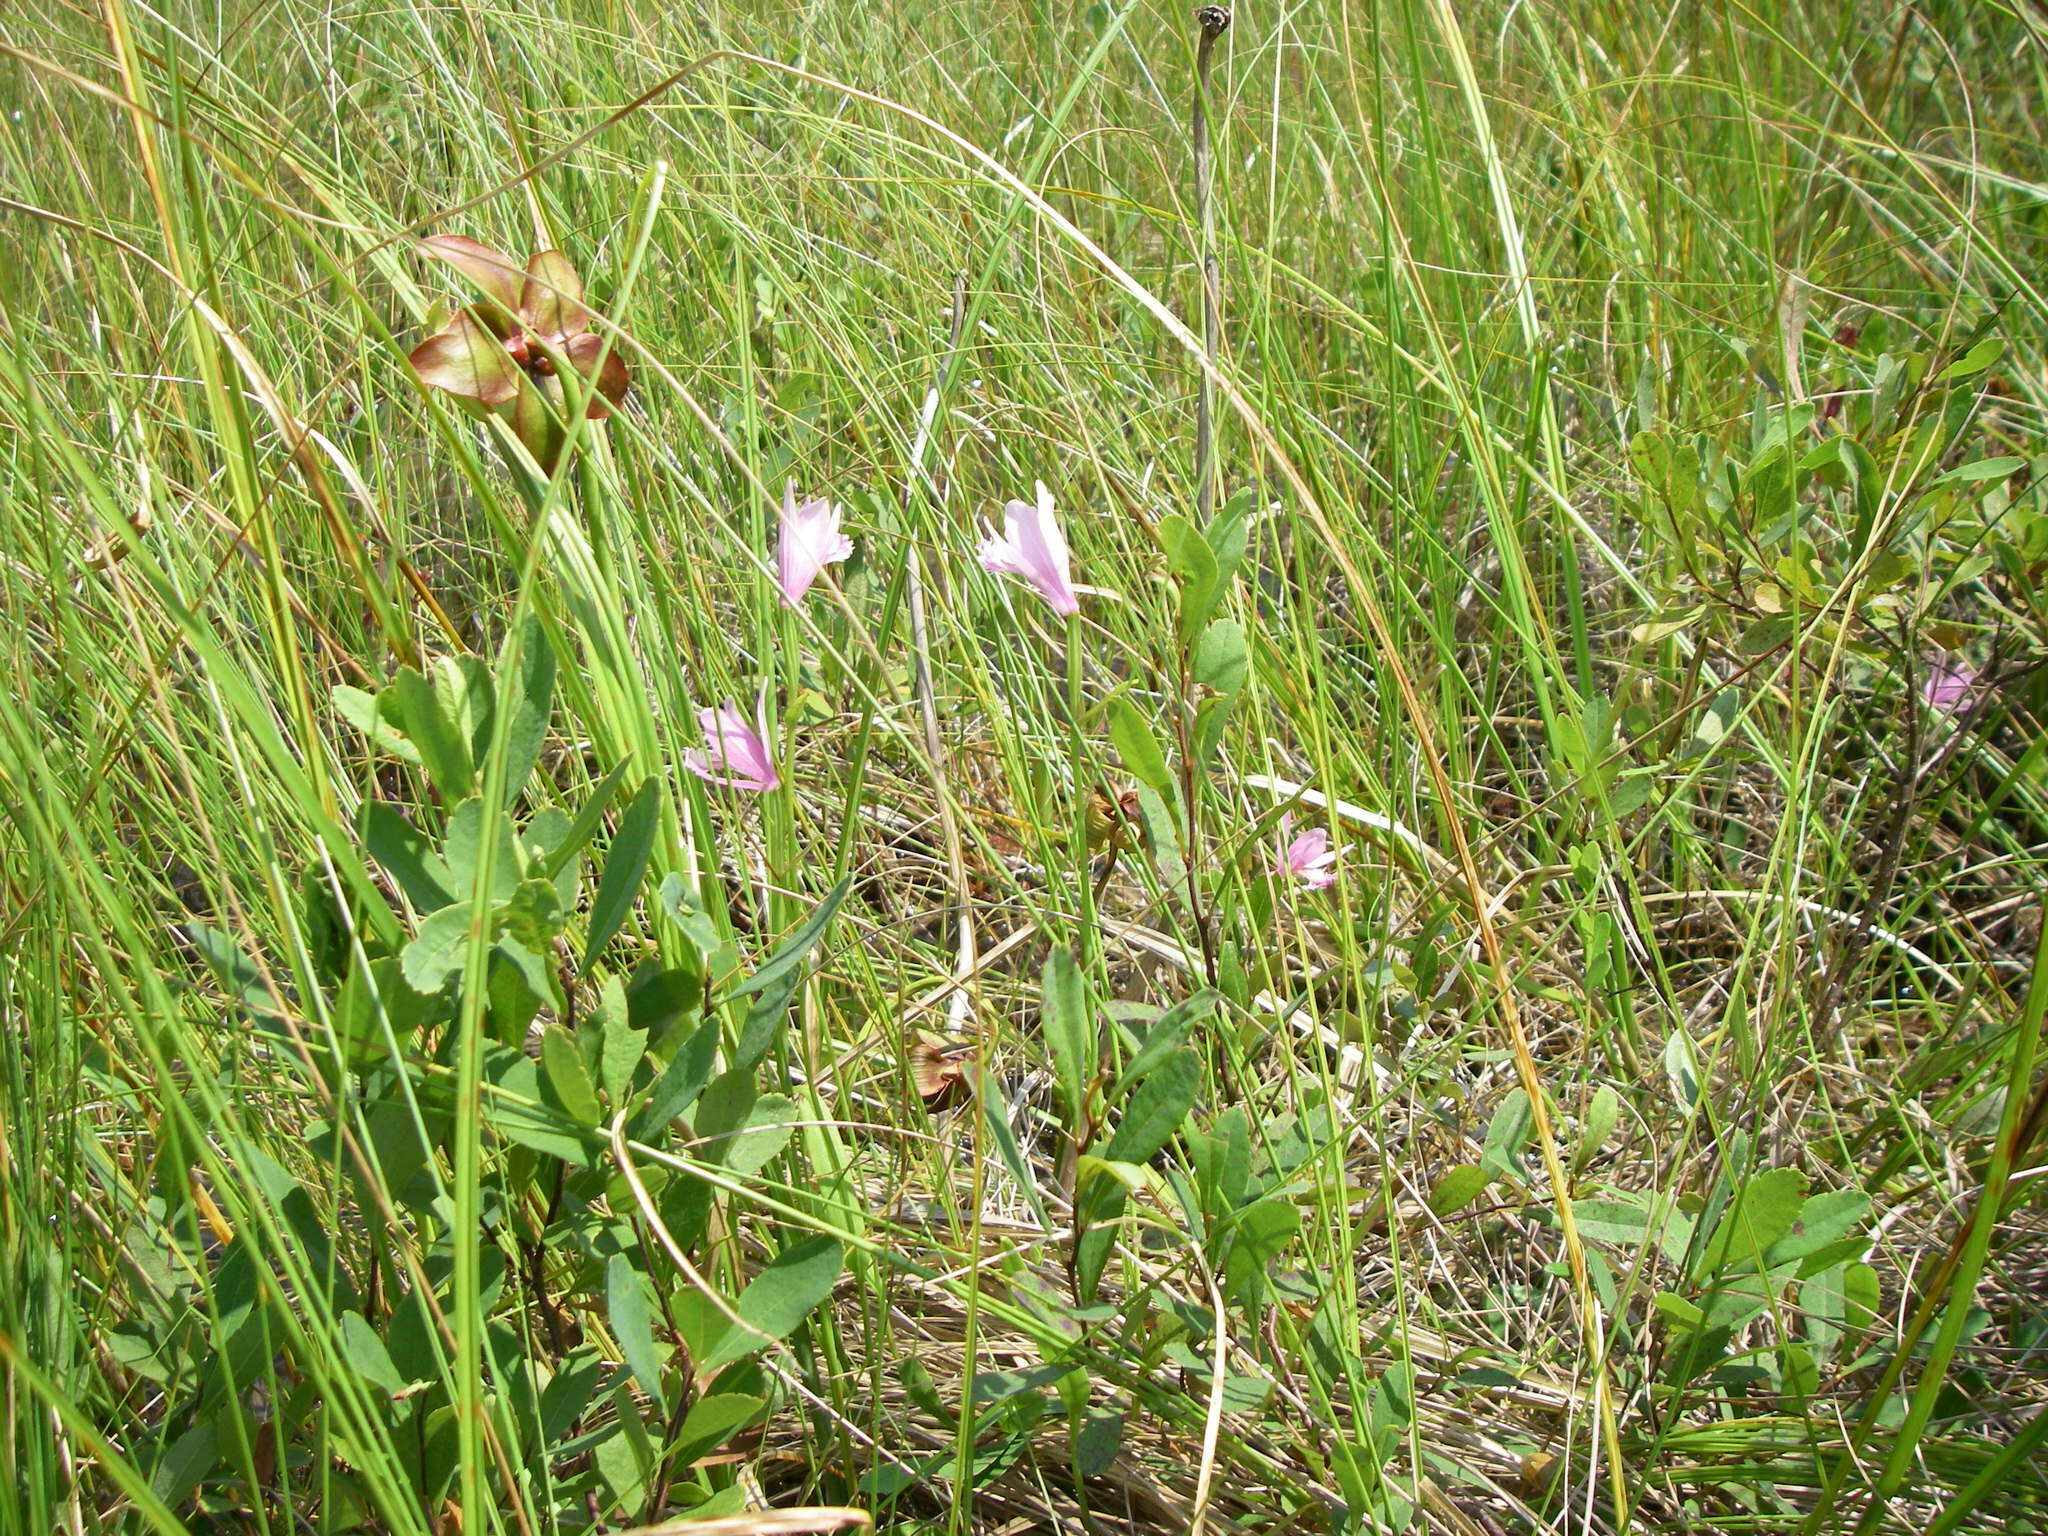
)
(1189, 786)
(1214, 20)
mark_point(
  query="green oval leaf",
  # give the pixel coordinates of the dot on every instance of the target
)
(1067, 1020)
(1157, 1108)
(568, 1079)
(715, 1420)
(1193, 564)
(625, 865)
(1133, 740)
(790, 953)
(442, 748)
(1222, 657)
(775, 1304)
(1982, 469)
(366, 1354)
(625, 1294)
(437, 950)
(1459, 1188)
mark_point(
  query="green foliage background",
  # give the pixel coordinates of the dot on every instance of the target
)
(429, 1107)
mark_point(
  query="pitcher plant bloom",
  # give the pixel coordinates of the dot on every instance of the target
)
(809, 542)
(1031, 546)
(501, 355)
(735, 754)
(1308, 857)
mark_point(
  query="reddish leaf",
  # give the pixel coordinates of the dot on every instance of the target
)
(552, 300)
(498, 275)
(465, 359)
(610, 381)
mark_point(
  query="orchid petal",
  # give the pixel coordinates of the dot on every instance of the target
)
(735, 755)
(608, 382)
(1948, 686)
(810, 540)
(1031, 546)
(1308, 858)
(537, 416)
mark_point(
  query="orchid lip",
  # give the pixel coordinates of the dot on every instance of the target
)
(1033, 548)
(810, 539)
(735, 754)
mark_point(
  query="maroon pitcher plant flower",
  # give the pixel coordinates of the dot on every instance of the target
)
(503, 355)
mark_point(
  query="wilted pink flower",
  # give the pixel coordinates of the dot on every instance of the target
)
(1032, 546)
(810, 541)
(735, 755)
(1948, 686)
(1309, 857)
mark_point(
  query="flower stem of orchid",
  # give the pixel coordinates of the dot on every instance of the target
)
(779, 813)
(1082, 772)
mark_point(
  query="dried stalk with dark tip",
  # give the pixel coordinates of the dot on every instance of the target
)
(1214, 20)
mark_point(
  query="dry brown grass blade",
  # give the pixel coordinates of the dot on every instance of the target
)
(766, 1522)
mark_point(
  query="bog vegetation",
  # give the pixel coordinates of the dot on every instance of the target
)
(999, 767)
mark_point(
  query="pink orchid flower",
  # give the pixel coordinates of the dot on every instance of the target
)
(1032, 546)
(1948, 686)
(1309, 858)
(736, 753)
(810, 541)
